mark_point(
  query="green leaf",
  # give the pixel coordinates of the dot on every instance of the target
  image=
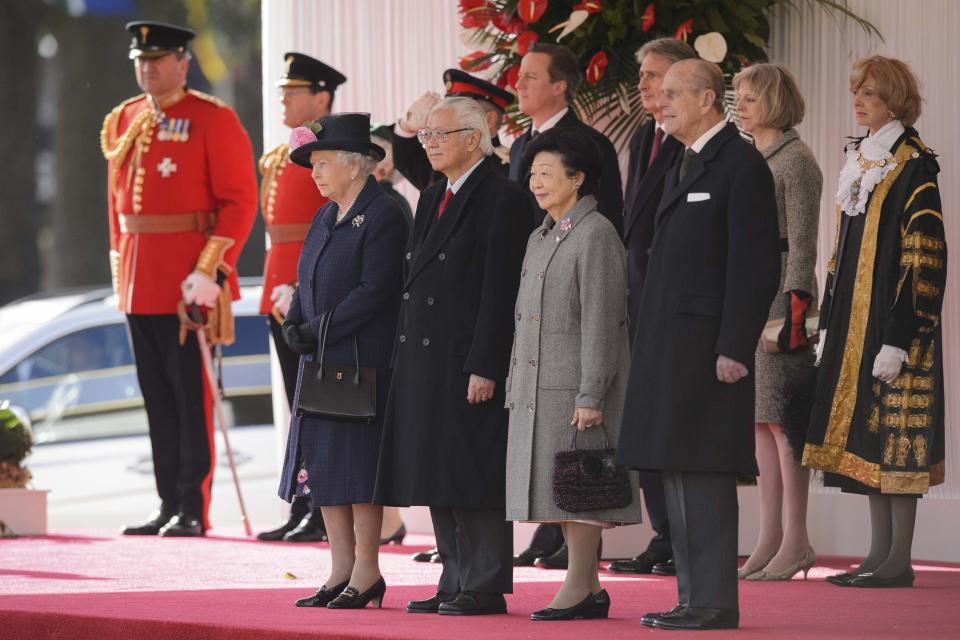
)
(755, 40)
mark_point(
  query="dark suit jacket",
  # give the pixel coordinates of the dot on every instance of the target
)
(644, 190)
(461, 275)
(713, 272)
(609, 193)
(411, 161)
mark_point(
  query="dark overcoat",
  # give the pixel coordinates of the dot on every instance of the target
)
(461, 274)
(713, 272)
(352, 267)
(609, 191)
(644, 191)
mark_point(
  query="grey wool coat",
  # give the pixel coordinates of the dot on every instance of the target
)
(570, 350)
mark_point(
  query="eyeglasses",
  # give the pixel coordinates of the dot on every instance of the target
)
(424, 135)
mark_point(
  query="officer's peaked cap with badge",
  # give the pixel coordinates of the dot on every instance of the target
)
(157, 39)
(336, 132)
(460, 83)
(300, 70)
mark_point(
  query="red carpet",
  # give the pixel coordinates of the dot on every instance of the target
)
(103, 587)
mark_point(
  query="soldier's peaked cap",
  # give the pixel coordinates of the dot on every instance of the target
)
(300, 70)
(156, 39)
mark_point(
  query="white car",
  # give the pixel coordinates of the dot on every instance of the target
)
(66, 359)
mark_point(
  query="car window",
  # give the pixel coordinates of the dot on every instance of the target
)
(102, 347)
(252, 337)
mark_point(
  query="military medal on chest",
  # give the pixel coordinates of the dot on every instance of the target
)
(173, 129)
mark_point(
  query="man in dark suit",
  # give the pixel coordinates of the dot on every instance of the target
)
(445, 434)
(548, 82)
(409, 156)
(713, 272)
(652, 153)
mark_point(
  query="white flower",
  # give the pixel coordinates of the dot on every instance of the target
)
(711, 47)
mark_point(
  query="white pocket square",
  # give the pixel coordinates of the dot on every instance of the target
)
(697, 197)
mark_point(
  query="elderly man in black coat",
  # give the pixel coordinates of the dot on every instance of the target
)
(445, 435)
(713, 272)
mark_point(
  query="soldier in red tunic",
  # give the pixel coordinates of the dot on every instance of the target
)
(289, 199)
(181, 198)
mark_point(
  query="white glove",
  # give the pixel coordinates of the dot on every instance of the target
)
(416, 116)
(820, 343)
(200, 289)
(887, 365)
(281, 297)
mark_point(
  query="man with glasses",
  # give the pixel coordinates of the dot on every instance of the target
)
(409, 156)
(289, 199)
(445, 433)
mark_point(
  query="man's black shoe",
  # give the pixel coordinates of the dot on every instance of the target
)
(182, 526)
(277, 534)
(559, 560)
(648, 618)
(528, 556)
(699, 619)
(430, 605)
(474, 603)
(665, 568)
(642, 563)
(152, 526)
(426, 556)
(306, 531)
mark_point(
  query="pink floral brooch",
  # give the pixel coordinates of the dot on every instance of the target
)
(566, 224)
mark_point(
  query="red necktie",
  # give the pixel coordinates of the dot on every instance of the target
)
(655, 149)
(443, 203)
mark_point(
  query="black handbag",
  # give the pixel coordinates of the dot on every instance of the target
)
(589, 479)
(335, 391)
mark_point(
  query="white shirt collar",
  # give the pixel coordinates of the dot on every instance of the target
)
(702, 141)
(551, 121)
(466, 174)
(881, 141)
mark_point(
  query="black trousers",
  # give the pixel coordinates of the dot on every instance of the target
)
(476, 548)
(703, 512)
(179, 412)
(652, 484)
(289, 368)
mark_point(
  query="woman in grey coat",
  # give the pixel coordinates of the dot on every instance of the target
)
(570, 358)
(769, 105)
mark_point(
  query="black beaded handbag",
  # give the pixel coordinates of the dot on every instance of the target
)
(589, 479)
(334, 391)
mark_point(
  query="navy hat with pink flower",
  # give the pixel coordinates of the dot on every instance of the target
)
(336, 132)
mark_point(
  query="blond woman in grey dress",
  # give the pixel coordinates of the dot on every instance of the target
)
(570, 359)
(769, 105)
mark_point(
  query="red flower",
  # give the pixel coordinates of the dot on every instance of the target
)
(646, 21)
(509, 76)
(475, 14)
(531, 10)
(525, 40)
(590, 6)
(476, 61)
(684, 30)
(509, 23)
(597, 67)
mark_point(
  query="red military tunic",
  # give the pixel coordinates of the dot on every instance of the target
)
(196, 159)
(289, 199)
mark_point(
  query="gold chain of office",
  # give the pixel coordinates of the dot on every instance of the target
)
(141, 124)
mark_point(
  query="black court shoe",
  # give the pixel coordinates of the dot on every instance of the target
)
(871, 580)
(322, 597)
(593, 607)
(351, 598)
(397, 537)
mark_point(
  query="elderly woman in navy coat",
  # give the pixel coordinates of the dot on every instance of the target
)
(350, 265)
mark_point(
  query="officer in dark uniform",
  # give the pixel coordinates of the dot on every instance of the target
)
(289, 199)
(409, 156)
(178, 219)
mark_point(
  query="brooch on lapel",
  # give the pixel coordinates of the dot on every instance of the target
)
(565, 224)
(357, 221)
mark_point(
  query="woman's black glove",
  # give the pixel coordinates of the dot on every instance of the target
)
(300, 338)
(793, 336)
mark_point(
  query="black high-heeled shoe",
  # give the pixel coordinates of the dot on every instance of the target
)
(593, 607)
(322, 597)
(351, 598)
(397, 537)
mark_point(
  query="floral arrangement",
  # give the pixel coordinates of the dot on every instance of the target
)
(605, 35)
(16, 441)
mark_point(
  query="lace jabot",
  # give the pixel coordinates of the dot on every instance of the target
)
(866, 167)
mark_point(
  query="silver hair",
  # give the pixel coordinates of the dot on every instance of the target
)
(670, 48)
(469, 115)
(364, 163)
